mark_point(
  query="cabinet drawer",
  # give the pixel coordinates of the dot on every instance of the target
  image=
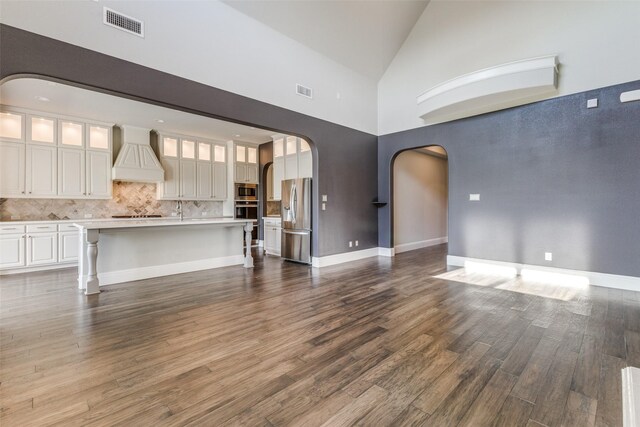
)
(11, 229)
(41, 228)
(67, 227)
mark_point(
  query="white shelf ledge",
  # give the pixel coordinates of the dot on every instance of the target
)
(491, 89)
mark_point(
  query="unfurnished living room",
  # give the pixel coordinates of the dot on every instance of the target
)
(319, 213)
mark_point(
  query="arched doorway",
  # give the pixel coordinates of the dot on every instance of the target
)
(419, 198)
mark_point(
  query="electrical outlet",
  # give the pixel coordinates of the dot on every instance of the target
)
(88, 215)
(324, 206)
(548, 256)
(205, 213)
(356, 243)
(324, 198)
(174, 214)
(350, 244)
(474, 197)
(592, 103)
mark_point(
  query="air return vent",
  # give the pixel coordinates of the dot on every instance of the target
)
(304, 91)
(123, 22)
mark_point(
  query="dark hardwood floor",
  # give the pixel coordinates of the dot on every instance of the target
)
(384, 341)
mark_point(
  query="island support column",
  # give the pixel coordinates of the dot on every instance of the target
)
(248, 259)
(89, 260)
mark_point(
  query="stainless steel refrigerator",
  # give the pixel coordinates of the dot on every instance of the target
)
(296, 220)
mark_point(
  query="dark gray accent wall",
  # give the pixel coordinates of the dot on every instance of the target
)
(553, 176)
(265, 158)
(345, 160)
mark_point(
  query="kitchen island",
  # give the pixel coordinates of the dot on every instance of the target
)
(122, 251)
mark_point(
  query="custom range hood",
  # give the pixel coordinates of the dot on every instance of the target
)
(135, 159)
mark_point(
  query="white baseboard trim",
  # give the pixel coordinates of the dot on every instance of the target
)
(328, 260)
(615, 281)
(121, 276)
(38, 268)
(630, 397)
(405, 247)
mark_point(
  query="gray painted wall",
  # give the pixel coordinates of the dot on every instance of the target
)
(553, 176)
(345, 160)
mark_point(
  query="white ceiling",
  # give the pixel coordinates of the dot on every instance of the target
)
(72, 101)
(362, 35)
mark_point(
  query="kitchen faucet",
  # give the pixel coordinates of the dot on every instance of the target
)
(179, 209)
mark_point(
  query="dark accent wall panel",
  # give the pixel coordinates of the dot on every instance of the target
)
(553, 176)
(345, 160)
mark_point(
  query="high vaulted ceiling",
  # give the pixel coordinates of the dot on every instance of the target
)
(362, 35)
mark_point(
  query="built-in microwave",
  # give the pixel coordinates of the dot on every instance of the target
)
(246, 192)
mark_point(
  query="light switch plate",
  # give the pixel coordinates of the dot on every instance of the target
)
(324, 197)
(474, 197)
(88, 215)
(592, 103)
(548, 256)
(324, 206)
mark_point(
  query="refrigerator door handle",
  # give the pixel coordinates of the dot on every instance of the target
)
(299, 233)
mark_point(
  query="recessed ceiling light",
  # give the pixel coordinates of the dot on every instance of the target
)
(160, 121)
(42, 98)
(237, 136)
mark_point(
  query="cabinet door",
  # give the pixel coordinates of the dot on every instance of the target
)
(252, 174)
(42, 248)
(12, 250)
(241, 172)
(269, 238)
(68, 246)
(204, 181)
(71, 172)
(169, 189)
(12, 169)
(220, 181)
(99, 182)
(188, 178)
(42, 177)
(278, 233)
(278, 176)
(291, 166)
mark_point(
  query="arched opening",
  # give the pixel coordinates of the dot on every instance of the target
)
(419, 208)
(208, 194)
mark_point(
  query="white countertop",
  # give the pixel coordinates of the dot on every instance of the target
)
(157, 222)
(88, 220)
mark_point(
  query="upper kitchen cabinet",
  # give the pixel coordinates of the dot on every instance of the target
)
(292, 158)
(98, 137)
(194, 169)
(70, 134)
(12, 126)
(41, 129)
(246, 163)
(12, 169)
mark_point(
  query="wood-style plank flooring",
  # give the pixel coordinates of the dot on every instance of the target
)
(383, 341)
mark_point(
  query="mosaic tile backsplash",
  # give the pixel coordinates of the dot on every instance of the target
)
(129, 198)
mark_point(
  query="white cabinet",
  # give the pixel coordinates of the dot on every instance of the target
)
(42, 176)
(219, 181)
(193, 169)
(272, 236)
(98, 174)
(68, 246)
(246, 163)
(42, 248)
(71, 172)
(12, 169)
(12, 250)
(188, 180)
(47, 157)
(292, 159)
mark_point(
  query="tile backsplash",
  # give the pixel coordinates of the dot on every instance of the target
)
(129, 198)
(273, 208)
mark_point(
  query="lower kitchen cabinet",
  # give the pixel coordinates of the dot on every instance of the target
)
(12, 250)
(42, 248)
(272, 236)
(68, 246)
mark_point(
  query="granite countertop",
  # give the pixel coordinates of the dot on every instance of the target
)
(156, 222)
(88, 220)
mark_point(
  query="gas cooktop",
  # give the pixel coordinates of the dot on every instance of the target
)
(137, 216)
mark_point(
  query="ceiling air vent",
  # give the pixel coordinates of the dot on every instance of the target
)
(123, 22)
(304, 91)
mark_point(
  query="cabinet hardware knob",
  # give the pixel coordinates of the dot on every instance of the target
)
(22, 192)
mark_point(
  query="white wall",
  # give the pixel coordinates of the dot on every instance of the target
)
(211, 43)
(597, 44)
(419, 199)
